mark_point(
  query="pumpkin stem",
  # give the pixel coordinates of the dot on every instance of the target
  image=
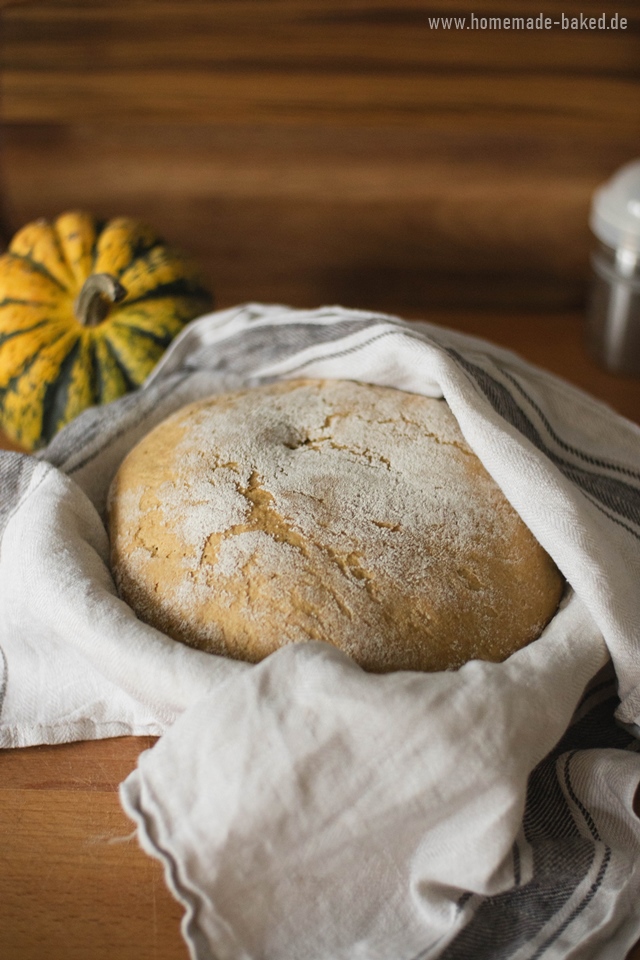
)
(99, 292)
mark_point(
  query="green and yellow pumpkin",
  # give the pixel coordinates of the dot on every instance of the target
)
(87, 308)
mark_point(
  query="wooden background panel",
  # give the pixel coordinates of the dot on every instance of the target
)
(313, 152)
(354, 37)
(303, 218)
(304, 61)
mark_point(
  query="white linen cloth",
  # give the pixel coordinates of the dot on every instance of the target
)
(306, 810)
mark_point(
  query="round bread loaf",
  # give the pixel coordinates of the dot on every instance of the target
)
(326, 510)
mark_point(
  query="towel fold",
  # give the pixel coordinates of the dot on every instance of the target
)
(304, 808)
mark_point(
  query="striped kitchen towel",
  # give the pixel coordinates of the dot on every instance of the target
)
(304, 808)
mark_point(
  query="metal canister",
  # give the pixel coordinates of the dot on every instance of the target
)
(613, 313)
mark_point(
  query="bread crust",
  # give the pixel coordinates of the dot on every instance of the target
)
(326, 510)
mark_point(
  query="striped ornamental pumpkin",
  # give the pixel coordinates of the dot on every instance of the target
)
(87, 308)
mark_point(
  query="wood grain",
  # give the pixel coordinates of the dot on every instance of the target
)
(313, 152)
(305, 218)
(307, 97)
(75, 884)
(322, 36)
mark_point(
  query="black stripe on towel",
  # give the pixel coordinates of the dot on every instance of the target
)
(245, 352)
(611, 493)
(562, 856)
(16, 470)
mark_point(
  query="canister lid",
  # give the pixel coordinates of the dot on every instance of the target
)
(615, 209)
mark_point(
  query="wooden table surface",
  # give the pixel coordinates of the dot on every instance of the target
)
(74, 883)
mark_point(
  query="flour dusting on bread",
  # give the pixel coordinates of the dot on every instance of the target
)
(326, 510)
